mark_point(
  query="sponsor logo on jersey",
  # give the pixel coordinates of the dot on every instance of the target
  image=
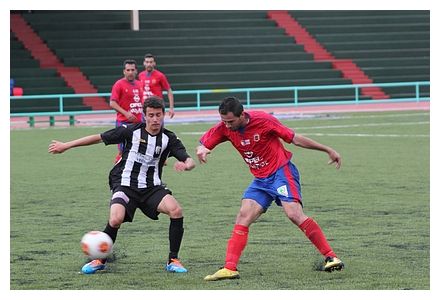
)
(256, 137)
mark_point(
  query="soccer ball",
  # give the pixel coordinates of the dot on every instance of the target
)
(96, 245)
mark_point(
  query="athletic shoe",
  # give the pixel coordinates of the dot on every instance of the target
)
(175, 266)
(93, 266)
(332, 263)
(223, 274)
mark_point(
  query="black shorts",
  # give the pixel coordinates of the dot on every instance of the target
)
(147, 200)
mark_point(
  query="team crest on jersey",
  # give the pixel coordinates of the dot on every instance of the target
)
(158, 150)
(282, 190)
(245, 142)
(256, 137)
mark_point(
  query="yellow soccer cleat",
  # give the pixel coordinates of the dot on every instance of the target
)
(223, 274)
(333, 263)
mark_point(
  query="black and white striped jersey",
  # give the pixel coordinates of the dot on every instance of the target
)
(144, 155)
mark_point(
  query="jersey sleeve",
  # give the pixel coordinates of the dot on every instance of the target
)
(280, 130)
(116, 92)
(177, 149)
(116, 135)
(164, 83)
(213, 137)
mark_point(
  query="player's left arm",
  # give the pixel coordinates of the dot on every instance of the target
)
(308, 143)
(177, 149)
(171, 100)
(166, 86)
(186, 165)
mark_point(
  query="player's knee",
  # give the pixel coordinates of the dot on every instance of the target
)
(295, 213)
(244, 217)
(115, 221)
(117, 215)
(296, 217)
(176, 212)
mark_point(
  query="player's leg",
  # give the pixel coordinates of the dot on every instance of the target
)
(249, 212)
(172, 208)
(314, 233)
(288, 178)
(118, 214)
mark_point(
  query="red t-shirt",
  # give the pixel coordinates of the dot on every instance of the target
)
(258, 142)
(153, 83)
(128, 95)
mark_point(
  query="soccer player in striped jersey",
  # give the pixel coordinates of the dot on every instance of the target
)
(257, 137)
(136, 180)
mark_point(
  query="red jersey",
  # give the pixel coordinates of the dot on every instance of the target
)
(128, 96)
(154, 83)
(258, 142)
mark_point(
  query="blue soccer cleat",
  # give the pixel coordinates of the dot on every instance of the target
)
(93, 266)
(175, 266)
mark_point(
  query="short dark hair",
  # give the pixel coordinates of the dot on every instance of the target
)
(149, 55)
(231, 104)
(130, 62)
(153, 102)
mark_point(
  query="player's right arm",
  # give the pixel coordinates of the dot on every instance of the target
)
(202, 152)
(57, 147)
(130, 117)
(209, 140)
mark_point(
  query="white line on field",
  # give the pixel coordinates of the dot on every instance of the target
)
(341, 134)
(346, 126)
(367, 135)
(364, 125)
(356, 116)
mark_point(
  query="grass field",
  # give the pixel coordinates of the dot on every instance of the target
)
(375, 212)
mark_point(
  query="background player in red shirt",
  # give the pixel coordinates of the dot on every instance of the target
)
(256, 136)
(126, 99)
(155, 82)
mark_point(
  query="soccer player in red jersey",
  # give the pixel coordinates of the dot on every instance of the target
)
(155, 82)
(257, 137)
(126, 99)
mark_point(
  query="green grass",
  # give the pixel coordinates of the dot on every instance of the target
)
(374, 211)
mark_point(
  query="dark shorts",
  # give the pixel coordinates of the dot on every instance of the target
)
(147, 200)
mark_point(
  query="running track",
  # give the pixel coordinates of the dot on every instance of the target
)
(212, 115)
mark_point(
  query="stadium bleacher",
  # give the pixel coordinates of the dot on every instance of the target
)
(389, 46)
(34, 80)
(231, 49)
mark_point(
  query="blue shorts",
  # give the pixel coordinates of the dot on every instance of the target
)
(283, 185)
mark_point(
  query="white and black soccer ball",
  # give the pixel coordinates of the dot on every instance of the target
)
(96, 245)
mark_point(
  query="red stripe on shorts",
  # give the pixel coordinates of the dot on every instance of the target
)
(292, 184)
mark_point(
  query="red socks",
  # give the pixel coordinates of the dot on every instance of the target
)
(239, 237)
(314, 233)
(236, 245)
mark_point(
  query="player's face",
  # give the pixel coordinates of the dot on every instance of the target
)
(233, 122)
(154, 119)
(149, 64)
(130, 71)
